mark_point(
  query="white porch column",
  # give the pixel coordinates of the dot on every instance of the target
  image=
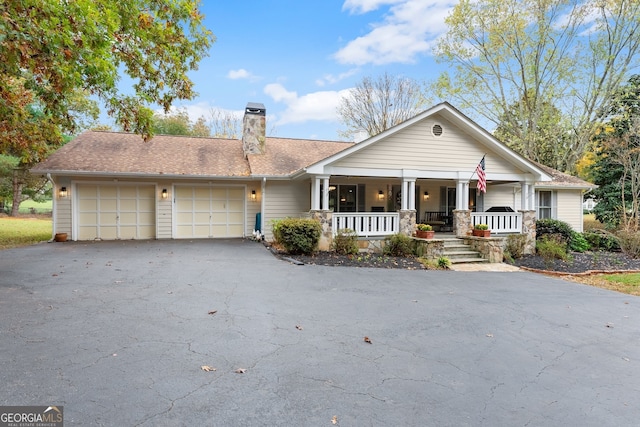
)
(532, 197)
(465, 195)
(412, 195)
(404, 193)
(527, 196)
(315, 193)
(325, 193)
(462, 195)
(524, 196)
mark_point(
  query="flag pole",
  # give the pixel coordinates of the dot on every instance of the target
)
(474, 171)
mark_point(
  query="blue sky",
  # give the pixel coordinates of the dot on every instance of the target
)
(299, 57)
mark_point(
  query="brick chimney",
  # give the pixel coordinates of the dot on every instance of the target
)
(254, 128)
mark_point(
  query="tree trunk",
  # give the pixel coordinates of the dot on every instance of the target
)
(18, 182)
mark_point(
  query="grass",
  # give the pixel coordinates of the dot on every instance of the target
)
(16, 232)
(29, 206)
(626, 283)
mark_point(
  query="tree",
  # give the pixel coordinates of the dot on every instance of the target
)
(617, 168)
(375, 105)
(53, 49)
(178, 123)
(548, 141)
(225, 124)
(572, 54)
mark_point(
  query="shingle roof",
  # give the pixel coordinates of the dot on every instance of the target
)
(118, 152)
(561, 179)
(284, 156)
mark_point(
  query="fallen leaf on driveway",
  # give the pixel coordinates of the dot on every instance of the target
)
(298, 327)
(240, 371)
(367, 340)
(334, 420)
(490, 335)
(213, 312)
(207, 368)
(609, 325)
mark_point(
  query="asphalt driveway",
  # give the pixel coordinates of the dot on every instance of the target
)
(117, 332)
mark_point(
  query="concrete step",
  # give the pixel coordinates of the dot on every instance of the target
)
(467, 260)
(460, 253)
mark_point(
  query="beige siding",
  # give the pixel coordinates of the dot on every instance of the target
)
(416, 148)
(164, 211)
(500, 196)
(285, 199)
(569, 208)
(253, 206)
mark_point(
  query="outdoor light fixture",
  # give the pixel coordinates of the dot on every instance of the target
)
(253, 195)
(164, 193)
(380, 195)
(63, 191)
(426, 196)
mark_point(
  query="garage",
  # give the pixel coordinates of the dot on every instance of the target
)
(112, 212)
(209, 212)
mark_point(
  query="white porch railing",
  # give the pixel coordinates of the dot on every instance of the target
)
(367, 224)
(502, 222)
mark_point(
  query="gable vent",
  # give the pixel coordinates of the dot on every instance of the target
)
(436, 130)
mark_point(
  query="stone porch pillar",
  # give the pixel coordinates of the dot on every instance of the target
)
(325, 217)
(529, 230)
(461, 222)
(407, 221)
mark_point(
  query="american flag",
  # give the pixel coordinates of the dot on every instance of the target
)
(482, 178)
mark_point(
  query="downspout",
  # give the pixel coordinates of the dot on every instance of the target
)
(54, 208)
(262, 204)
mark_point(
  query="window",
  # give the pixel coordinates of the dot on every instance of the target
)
(346, 198)
(546, 205)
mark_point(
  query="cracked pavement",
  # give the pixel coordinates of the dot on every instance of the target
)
(117, 332)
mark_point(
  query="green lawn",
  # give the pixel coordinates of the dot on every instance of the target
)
(15, 232)
(29, 206)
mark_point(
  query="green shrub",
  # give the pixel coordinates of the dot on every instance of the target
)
(515, 245)
(275, 228)
(630, 243)
(578, 243)
(297, 235)
(602, 240)
(552, 246)
(345, 242)
(399, 245)
(424, 227)
(553, 226)
(481, 227)
(444, 262)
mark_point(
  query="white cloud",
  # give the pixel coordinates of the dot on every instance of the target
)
(240, 73)
(331, 79)
(409, 29)
(364, 6)
(316, 106)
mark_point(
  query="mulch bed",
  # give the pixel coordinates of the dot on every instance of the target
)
(587, 262)
(579, 263)
(360, 260)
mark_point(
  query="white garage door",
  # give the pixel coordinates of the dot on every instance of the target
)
(112, 212)
(205, 212)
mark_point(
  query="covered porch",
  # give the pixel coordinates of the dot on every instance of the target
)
(381, 207)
